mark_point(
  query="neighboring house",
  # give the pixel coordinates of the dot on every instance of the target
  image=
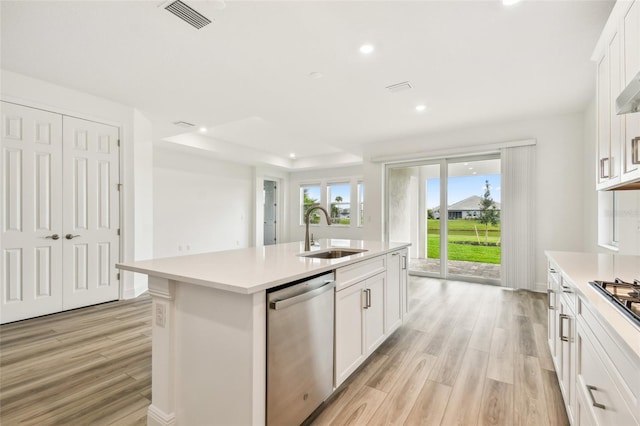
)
(469, 208)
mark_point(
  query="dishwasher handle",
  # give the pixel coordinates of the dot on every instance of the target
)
(284, 303)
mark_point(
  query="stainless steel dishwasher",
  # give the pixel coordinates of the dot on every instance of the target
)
(299, 349)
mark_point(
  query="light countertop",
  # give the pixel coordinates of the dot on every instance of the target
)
(255, 269)
(580, 268)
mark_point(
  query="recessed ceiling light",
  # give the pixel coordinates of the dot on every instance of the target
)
(470, 168)
(366, 49)
(466, 164)
(315, 75)
(510, 2)
(203, 129)
(292, 155)
(420, 107)
(475, 173)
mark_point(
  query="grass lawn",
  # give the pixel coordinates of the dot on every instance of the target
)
(463, 230)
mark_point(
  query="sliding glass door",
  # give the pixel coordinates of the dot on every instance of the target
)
(449, 210)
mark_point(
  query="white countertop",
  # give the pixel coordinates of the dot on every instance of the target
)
(580, 268)
(255, 269)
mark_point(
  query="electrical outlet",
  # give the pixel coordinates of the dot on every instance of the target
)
(179, 247)
(161, 314)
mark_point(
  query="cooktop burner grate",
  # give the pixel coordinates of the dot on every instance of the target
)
(624, 295)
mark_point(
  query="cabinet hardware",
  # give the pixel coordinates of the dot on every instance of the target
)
(71, 236)
(635, 150)
(561, 329)
(395, 254)
(604, 165)
(590, 389)
(367, 298)
(549, 293)
(566, 289)
(404, 262)
(53, 237)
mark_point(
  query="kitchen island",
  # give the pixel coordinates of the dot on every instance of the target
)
(209, 324)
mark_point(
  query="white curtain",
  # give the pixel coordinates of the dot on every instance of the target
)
(517, 217)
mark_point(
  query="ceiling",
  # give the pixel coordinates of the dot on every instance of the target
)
(247, 76)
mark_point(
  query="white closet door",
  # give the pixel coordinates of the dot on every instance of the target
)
(31, 243)
(91, 212)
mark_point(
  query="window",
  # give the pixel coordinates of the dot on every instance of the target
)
(360, 204)
(339, 196)
(309, 196)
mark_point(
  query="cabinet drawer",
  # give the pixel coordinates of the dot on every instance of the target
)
(605, 404)
(623, 365)
(356, 272)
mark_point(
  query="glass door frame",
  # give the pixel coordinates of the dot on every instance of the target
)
(444, 211)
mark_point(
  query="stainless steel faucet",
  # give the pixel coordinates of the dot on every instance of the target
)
(307, 246)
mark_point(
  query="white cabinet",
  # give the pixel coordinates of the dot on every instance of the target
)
(359, 324)
(394, 294)
(370, 305)
(609, 124)
(601, 403)
(374, 308)
(567, 350)
(561, 334)
(618, 60)
(349, 344)
(631, 143)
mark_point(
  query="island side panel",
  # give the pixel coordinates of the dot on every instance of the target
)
(220, 356)
(162, 410)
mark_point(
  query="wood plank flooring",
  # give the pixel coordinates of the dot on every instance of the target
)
(468, 354)
(81, 367)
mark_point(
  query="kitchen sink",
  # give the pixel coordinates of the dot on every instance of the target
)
(332, 253)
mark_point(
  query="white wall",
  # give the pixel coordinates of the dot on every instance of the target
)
(135, 164)
(339, 174)
(560, 175)
(200, 202)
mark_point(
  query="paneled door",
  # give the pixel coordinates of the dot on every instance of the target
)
(91, 212)
(60, 213)
(31, 241)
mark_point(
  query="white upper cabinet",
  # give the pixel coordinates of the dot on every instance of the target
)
(618, 61)
(630, 170)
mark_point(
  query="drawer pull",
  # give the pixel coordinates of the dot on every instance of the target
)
(561, 330)
(549, 293)
(635, 150)
(590, 389)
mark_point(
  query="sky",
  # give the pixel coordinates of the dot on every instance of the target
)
(462, 187)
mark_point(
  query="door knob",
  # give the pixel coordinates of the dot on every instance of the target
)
(53, 237)
(70, 236)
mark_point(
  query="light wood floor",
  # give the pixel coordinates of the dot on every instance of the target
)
(87, 366)
(469, 354)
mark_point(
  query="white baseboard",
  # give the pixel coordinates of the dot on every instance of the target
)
(140, 285)
(157, 417)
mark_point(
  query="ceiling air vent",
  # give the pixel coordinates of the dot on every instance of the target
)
(183, 124)
(399, 87)
(188, 14)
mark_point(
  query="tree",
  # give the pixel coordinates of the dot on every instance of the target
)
(489, 214)
(430, 214)
(335, 210)
(310, 202)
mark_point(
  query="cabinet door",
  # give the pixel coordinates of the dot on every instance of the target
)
(349, 341)
(566, 336)
(604, 403)
(393, 296)
(374, 312)
(616, 121)
(603, 120)
(631, 146)
(552, 315)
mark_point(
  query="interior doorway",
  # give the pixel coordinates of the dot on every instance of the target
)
(270, 212)
(449, 209)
